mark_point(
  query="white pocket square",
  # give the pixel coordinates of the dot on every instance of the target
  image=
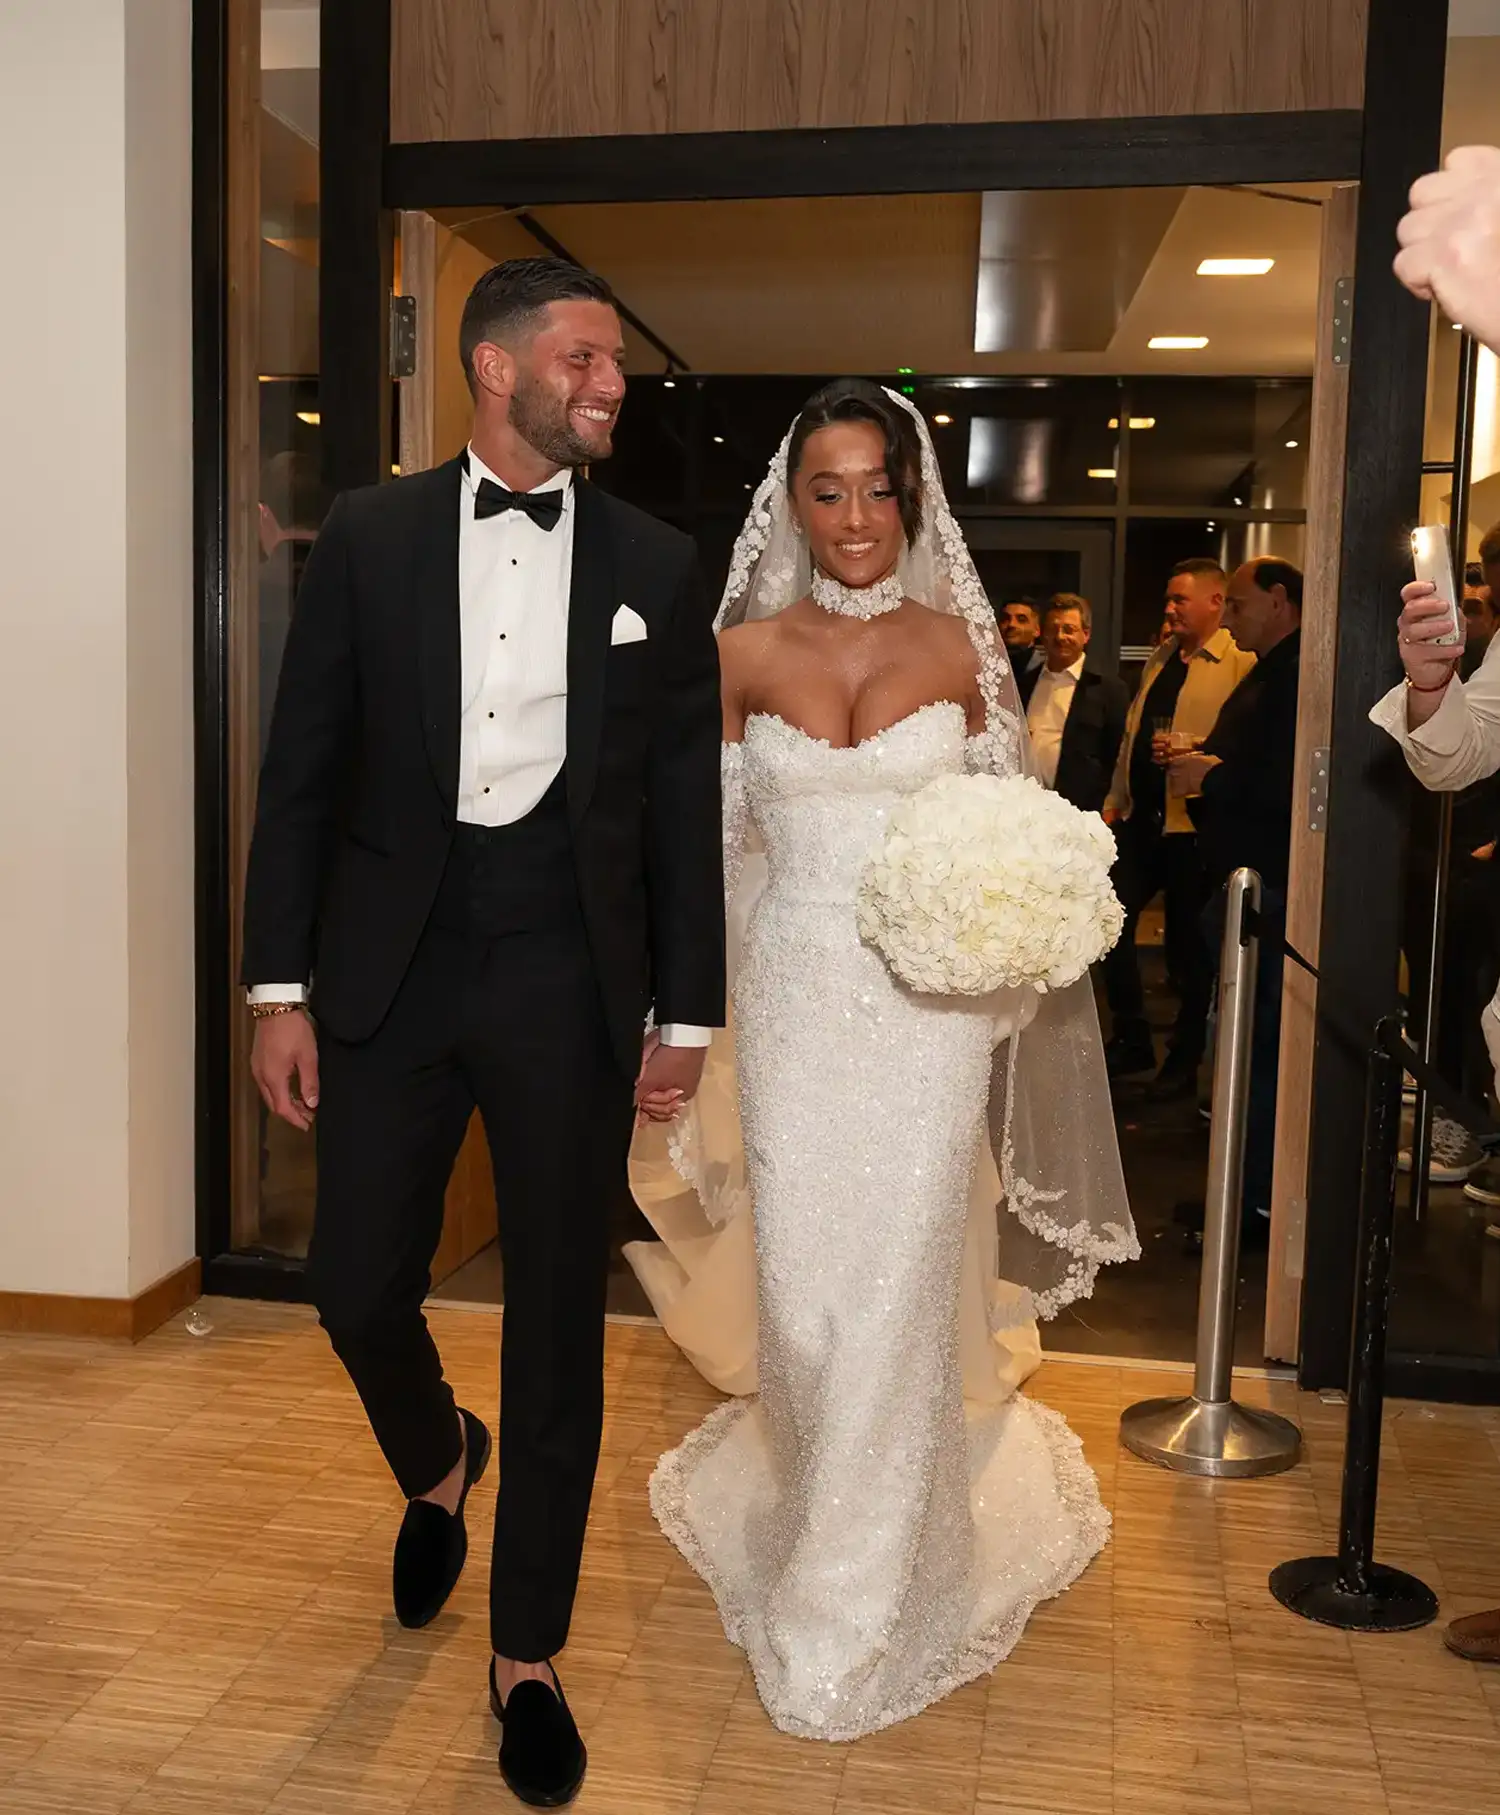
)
(629, 627)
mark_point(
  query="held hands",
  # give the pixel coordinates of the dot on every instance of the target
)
(1451, 240)
(669, 1078)
(284, 1064)
(1425, 616)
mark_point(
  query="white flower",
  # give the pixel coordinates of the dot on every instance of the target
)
(985, 883)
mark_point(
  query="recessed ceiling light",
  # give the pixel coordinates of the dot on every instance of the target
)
(942, 421)
(1177, 343)
(1210, 526)
(1239, 501)
(1235, 267)
(669, 384)
(718, 441)
(311, 417)
(1101, 472)
(1293, 444)
(1136, 422)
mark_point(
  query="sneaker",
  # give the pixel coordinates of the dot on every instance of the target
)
(1455, 1154)
(1484, 1183)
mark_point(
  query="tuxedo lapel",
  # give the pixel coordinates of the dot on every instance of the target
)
(440, 633)
(590, 612)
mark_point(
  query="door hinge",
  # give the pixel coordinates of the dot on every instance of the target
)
(1343, 318)
(403, 336)
(1317, 792)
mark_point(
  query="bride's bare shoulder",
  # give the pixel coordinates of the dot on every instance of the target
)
(743, 648)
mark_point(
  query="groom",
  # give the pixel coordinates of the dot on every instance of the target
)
(487, 846)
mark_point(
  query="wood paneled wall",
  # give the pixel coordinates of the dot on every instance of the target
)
(474, 69)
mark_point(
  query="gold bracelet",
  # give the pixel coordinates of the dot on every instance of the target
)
(268, 1011)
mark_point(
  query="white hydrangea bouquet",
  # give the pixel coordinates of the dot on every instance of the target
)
(985, 883)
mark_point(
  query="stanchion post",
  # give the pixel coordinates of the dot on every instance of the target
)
(1207, 1433)
(1352, 1590)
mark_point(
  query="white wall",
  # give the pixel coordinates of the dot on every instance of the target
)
(96, 969)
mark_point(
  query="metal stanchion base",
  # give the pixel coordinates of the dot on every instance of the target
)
(1392, 1601)
(1195, 1437)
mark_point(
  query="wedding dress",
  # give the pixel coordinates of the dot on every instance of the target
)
(871, 1541)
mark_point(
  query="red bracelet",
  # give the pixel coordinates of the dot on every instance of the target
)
(1442, 686)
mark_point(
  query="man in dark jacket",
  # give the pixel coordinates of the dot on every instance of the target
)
(1243, 815)
(1076, 717)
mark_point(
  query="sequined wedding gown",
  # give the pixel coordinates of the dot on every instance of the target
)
(869, 1546)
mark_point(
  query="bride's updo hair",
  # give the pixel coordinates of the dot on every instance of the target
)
(858, 400)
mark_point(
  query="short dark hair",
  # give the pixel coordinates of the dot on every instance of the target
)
(1026, 605)
(1203, 566)
(858, 400)
(1489, 546)
(1071, 601)
(1474, 574)
(1273, 571)
(512, 297)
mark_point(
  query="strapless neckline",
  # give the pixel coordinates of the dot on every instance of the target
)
(823, 743)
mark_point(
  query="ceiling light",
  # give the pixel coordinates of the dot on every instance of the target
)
(1210, 526)
(311, 417)
(718, 441)
(942, 421)
(1292, 444)
(1239, 501)
(1235, 267)
(1177, 343)
(1101, 472)
(1136, 422)
(669, 384)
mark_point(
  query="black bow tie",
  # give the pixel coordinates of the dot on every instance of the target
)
(543, 508)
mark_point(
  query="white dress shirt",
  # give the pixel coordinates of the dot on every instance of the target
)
(1047, 716)
(1460, 743)
(514, 580)
(514, 584)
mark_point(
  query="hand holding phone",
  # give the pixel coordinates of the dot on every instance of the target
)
(1432, 560)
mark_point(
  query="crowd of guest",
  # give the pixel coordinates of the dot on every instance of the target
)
(1194, 773)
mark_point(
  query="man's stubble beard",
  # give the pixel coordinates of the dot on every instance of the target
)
(540, 418)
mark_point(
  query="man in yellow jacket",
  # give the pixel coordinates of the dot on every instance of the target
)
(1187, 680)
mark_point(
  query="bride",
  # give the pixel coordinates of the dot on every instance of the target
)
(870, 1544)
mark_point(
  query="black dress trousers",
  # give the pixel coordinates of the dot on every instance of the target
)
(500, 1010)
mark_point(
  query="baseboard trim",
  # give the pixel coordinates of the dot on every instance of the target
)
(121, 1319)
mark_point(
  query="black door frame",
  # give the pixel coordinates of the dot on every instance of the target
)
(365, 178)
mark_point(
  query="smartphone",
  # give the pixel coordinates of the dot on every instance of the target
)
(1432, 560)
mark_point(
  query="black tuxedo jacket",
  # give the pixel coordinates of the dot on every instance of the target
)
(358, 792)
(1091, 736)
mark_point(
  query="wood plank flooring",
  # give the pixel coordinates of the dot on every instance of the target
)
(195, 1620)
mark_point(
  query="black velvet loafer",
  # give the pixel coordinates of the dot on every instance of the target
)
(432, 1544)
(542, 1757)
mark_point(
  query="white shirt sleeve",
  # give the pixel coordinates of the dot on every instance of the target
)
(1460, 743)
(276, 992)
(680, 1033)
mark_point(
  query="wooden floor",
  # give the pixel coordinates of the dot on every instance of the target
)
(194, 1617)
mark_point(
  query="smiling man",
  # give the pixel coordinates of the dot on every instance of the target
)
(1076, 717)
(487, 844)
